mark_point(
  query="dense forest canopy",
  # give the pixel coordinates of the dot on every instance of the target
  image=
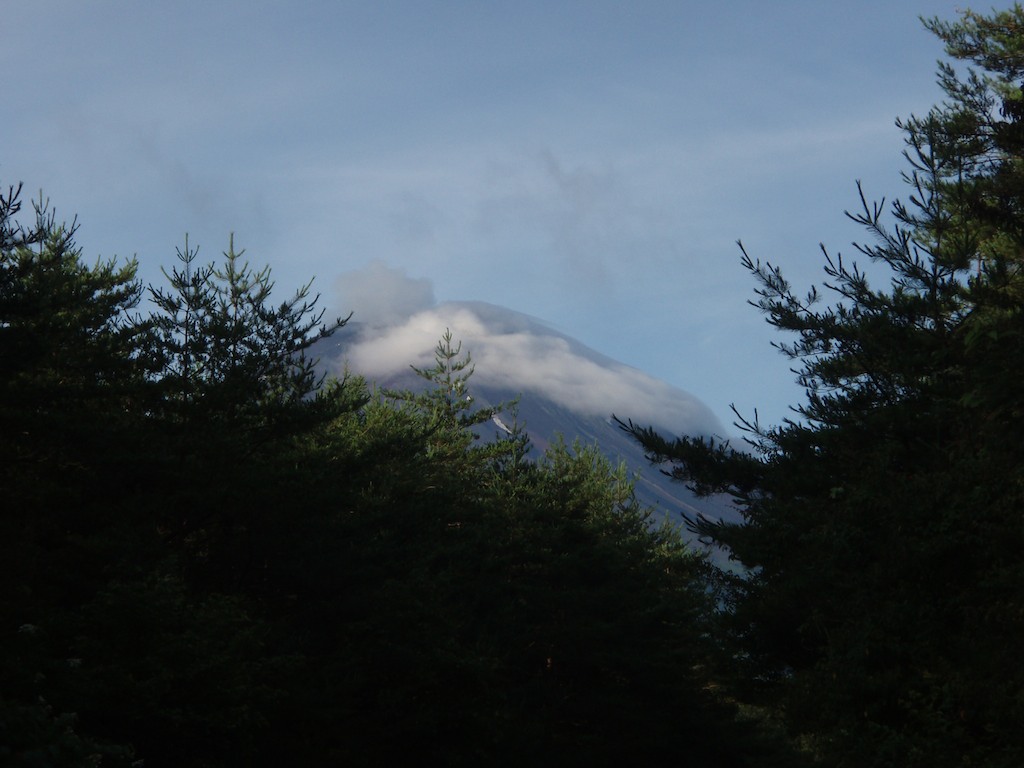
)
(210, 555)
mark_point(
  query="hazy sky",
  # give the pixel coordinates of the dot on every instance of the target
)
(588, 163)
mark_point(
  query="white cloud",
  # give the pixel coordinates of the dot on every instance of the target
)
(513, 351)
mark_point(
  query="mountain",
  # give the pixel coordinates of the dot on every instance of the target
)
(564, 387)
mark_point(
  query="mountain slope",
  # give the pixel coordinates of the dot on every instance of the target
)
(564, 388)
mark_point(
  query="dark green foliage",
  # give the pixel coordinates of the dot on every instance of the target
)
(71, 375)
(879, 612)
(487, 610)
(228, 357)
(68, 347)
(31, 736)
(209, 556)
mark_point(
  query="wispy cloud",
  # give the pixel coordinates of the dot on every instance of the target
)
(382, 296)
(594, 168)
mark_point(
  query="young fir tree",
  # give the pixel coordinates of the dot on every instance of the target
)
(879, 610)
(236, 394)
(229, 354)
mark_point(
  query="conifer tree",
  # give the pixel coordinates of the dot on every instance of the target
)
(879, 610)
(226, 349)
(69, 346)
(72, 380)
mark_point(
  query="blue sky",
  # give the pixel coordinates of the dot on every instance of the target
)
(588, 163)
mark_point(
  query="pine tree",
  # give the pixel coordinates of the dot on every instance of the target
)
(879, 609)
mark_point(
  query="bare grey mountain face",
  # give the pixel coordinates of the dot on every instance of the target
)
(564, 388)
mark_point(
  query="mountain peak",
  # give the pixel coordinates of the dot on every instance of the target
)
(520, 354)
(565, 389)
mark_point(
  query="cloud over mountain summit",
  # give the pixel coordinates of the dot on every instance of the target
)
(397, 324)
